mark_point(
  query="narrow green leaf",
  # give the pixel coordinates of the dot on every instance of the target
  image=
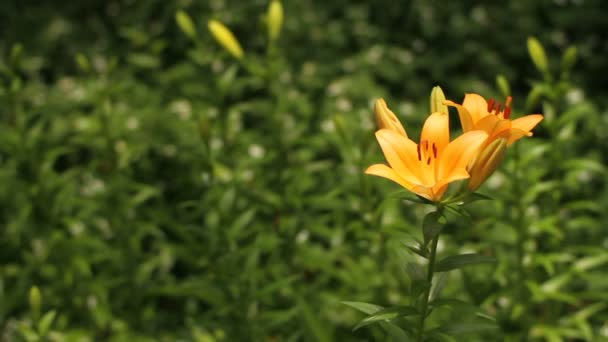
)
(458, 261)
(438, 284)
(45, 322)
(474, 197)
(386, 315)
(394, 331)
(419, 250)
(29, 335)
(366, 308)
(590, 262)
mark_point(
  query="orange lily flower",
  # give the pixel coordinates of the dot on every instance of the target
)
(426, 168)
(478, 114)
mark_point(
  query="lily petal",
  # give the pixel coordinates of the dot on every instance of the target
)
(526, 123)
(401, 154)
(436, 130)
(456, 174)
(426, 192)
(516, 134)
(385, 118)
(459, 152)
(384, 171)
(493, 125)
(465, 117)
(476, 105)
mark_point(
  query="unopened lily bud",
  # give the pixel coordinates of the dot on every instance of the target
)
(385, 118)
(486, 163)
(35, 299)
(569, 58)
(275, 19)
(503, 85)
(185, 24)
(538, 55)
(437, 100)
(225, 38)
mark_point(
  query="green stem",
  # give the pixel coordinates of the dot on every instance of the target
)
(522, 236)
(427, 291)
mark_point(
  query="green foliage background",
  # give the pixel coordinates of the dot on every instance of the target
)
(155, 189)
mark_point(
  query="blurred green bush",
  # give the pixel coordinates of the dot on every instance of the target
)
(156, 189)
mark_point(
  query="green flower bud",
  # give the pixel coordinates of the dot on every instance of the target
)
(569, 58)
(437, 101)
(503, 85)
(275, 19)
(538, 55)
(186, 24)
(225, 38)
(486, 163)
(35, 302)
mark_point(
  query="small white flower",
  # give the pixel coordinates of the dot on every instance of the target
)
(344, 104)
(256, 151)
(182, 108)
(328, 126)
(132, 123)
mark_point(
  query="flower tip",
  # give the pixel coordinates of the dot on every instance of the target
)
(225, 37)
(275, 17)
(386, 119)
(380, 102)
(437, 101)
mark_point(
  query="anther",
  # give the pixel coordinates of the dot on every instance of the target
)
(491, 103)
(418, 149)
(498, 108)
(428, 161)
(434, 150)
(507, 112)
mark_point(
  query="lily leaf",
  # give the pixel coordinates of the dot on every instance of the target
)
(387, 315)
(474, 197)
(366, 308)
(396, 332)
(459, 261)
(420, 250)
(45, 322)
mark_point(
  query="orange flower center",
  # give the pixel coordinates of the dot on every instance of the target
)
(495, 108)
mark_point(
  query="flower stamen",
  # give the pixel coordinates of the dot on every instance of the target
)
(507, 112)
(491, 103)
